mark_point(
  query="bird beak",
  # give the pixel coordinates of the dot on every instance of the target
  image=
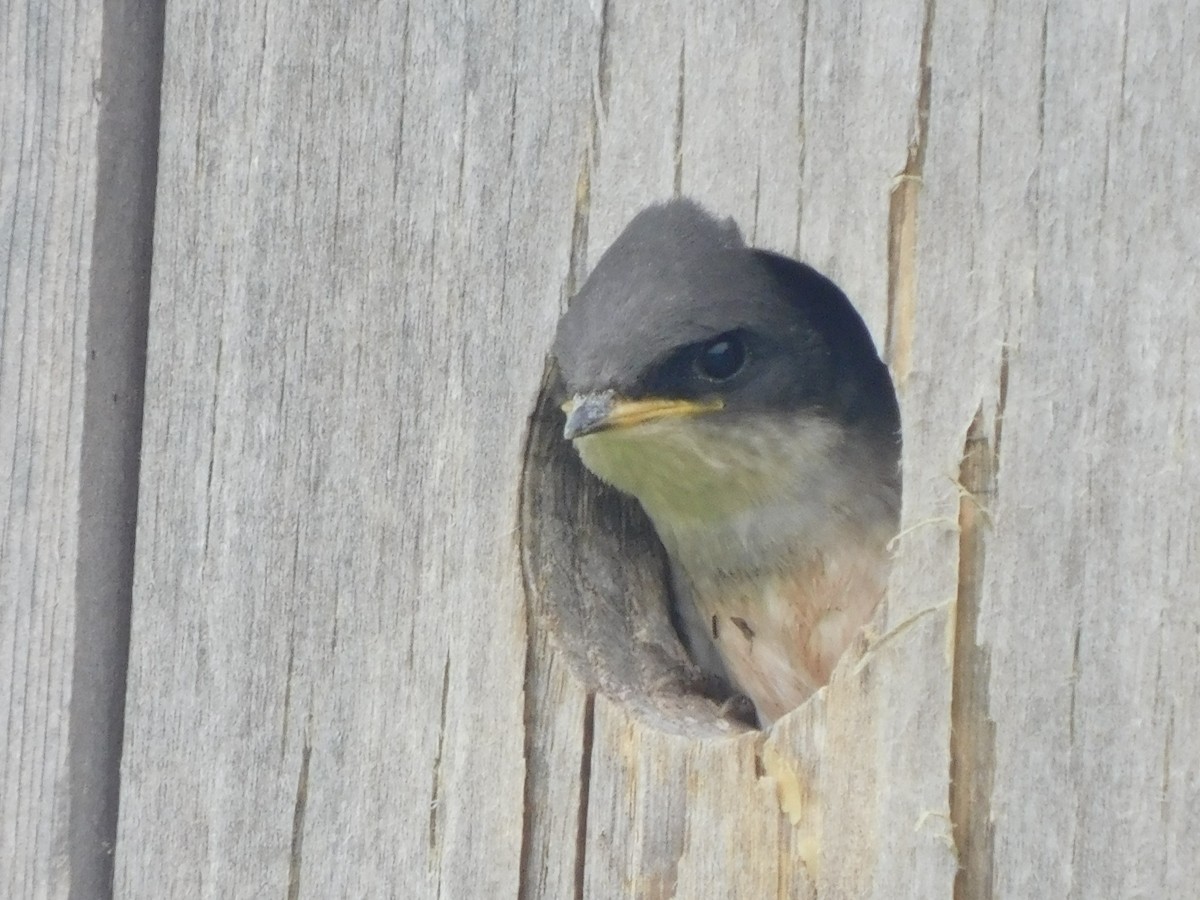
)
(590, 413)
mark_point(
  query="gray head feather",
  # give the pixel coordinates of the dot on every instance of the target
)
(675, 276)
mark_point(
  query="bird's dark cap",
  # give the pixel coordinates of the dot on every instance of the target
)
(677, 278)
(675, 275)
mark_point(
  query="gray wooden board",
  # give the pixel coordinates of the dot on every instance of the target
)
(363, 231)
(1092, 608)
(368, 222)
(47, 204)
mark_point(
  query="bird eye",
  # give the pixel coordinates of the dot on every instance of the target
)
(721, 358)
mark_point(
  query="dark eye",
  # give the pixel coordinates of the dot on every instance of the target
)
(721, 358)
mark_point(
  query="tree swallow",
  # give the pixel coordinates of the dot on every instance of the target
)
(738, 396)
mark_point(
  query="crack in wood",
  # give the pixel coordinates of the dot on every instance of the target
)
(527, 687)
(902, 224)
(528, 710)
(1001, 403)
(287, 691)
(212, 441)
(802, 160)
(527, 792)
(604, 57)
(577, 262)
(436, 788)
(298, 812)
(405, 68)
(585, 781)
(679, 120)
(972, 732)
(1168, 738)
(1074, 679)
(515, 64)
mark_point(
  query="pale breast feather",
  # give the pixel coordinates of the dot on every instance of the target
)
(781, 636)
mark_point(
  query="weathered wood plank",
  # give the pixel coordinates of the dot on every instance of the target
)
(47, 207)
(1092, 606)
(78, 135)
(1037, 255)
(363, 234)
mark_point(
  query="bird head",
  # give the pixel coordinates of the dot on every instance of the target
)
(705, 377)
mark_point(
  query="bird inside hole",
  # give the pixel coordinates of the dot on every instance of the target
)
(738, 396)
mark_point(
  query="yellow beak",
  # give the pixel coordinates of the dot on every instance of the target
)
(590, 413)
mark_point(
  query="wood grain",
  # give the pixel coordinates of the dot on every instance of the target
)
(363, 233)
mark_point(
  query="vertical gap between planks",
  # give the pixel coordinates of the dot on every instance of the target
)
(128, 92)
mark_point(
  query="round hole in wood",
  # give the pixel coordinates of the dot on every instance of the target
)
(596, 580)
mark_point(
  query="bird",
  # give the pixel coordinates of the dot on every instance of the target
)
(738, 396)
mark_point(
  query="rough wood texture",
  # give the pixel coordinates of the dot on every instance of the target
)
(378, 647)
(364, 223)
(78, 139)
(47, 208)
(1088, 606)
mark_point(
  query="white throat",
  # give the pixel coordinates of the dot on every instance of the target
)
(747, 498)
